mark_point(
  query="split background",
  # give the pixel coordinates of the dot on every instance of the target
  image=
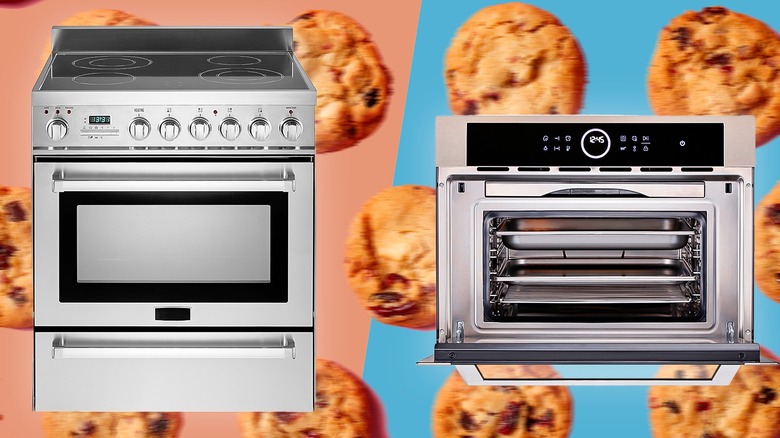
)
(617, 38)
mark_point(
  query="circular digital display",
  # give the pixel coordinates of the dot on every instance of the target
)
(595, 143)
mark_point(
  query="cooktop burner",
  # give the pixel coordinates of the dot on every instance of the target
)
(165, 71)
(123, 62)
(104, 78)
(234, 60)
(241, 75)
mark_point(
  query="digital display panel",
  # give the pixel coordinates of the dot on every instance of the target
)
(99, 120)
(594, 144)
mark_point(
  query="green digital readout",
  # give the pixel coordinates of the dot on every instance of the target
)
(99, 120)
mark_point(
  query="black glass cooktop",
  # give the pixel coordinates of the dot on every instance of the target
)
(174, 71)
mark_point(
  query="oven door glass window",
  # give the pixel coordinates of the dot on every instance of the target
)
(173, 247)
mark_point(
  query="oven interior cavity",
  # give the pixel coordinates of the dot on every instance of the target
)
(591, 267)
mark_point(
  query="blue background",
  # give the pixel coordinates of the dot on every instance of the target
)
(618, 39)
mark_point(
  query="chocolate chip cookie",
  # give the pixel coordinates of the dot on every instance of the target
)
(352, 82)
(514, 58)
(767, 244)
(748, 407)
(391, 256)
(341, 409)
(15, 257)
(111, 424)
(718, 62)
(514, 411)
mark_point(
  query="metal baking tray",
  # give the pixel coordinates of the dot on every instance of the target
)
(594, 233)
(614, 294)
(595, 272)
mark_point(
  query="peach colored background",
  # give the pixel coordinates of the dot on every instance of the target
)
(344, 179)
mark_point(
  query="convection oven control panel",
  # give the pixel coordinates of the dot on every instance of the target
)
(191, 128)
(594, 144)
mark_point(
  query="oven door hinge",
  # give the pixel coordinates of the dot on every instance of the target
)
(459, 335)
(730, 332)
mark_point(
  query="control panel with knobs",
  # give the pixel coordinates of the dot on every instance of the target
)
(247, 129)
(291, 128)
(230, 128)
(57, 129)
(169, 128)
(139, 128)
(259, 129)
(200, 128)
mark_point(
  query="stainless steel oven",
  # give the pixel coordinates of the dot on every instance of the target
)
(595, 240)
(119, 236)
(173, 222)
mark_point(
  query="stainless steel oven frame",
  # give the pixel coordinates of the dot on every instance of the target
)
(161, 349)
(467, 195)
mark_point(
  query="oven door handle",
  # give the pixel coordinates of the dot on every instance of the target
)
(285, 184)
(286, 350)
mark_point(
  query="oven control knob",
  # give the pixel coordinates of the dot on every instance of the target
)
(259, 129)
(57, 129)
(169, 128)
(139, 128)
(229, 128)
(200, 128)
(291, 129)
(595, 143)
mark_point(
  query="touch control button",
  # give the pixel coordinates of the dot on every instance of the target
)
(595, 143)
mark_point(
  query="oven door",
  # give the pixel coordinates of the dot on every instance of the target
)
(585, 271)
(174, 243)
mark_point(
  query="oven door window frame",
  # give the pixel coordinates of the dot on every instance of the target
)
(275, 291)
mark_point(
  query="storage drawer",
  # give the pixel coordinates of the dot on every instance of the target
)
(174, 371)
